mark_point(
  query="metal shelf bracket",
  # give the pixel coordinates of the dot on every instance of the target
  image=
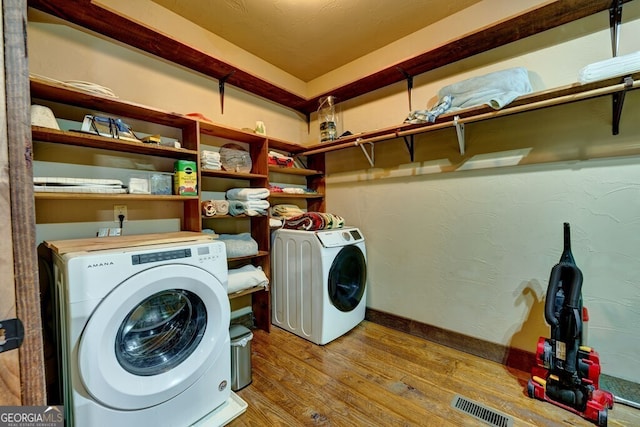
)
(370, 157)
(618, 102)
(221, 83)
(409, 143)
(460, 132)
(615, 17)
(409, 78)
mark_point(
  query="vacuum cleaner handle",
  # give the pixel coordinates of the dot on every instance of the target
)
(567, 255)
(550, 313)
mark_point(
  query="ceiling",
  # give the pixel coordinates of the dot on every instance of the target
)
(308, 38)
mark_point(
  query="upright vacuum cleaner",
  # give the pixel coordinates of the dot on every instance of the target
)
(566, 372)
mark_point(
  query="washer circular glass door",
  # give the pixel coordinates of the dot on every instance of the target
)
(153, 336)
(347, 278)
(161, 332)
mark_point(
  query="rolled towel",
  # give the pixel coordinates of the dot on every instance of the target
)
(208, 208)
(222, 207)
(246, 277)
(247, 193)
(239, 245)
(237, 207)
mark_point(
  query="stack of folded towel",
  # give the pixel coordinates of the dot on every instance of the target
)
(612, 67)
(248, 201)
(210, 160)
(285, 211)
(246, 277)
(311, 221)
(239, 245)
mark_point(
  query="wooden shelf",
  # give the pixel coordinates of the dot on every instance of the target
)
(534, 101)
(295, 171)
(118, 197)
(232, 217)
(260, 254)
(246, 292)
(95, 141)
(231, 175)
(277, 144)
(237, 135)
(296, 196)
(56, 92)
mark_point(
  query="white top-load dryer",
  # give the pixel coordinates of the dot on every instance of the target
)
(144, 334)
(318, 282)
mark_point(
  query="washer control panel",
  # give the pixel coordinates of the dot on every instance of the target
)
(204, 253)
(160, 256)
(339, 237)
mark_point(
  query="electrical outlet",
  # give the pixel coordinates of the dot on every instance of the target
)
(119, 210)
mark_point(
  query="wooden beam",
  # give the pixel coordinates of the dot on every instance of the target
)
(22, 212)
(125, 30)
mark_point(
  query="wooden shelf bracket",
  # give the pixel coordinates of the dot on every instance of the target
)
(460, 133)
(618, 102)
(615, 17)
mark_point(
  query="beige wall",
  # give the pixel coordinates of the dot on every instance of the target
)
(469, 251)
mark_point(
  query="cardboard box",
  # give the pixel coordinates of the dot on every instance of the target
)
(185, 178)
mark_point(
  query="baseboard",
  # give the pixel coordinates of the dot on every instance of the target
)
(511, 357)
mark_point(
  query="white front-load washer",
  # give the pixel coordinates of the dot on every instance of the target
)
(144, 334)
(318, 282)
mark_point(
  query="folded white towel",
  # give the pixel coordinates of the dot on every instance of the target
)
(210, 155)
(247, 193)
(613, 67)
(239, 245)
(495, 89)
(246, 277)
(248, 207)
(275, 223)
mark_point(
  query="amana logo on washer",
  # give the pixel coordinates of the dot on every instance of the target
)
(100, 264)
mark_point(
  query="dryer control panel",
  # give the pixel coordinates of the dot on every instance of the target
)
(339, 237)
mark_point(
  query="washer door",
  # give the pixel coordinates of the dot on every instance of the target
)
(347, 277)
(153, 336)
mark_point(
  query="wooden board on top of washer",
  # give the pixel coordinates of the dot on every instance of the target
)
(101, 243)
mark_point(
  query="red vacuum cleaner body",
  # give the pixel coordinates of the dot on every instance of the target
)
(567, 372)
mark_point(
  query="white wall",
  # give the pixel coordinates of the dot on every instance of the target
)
(466, 251)
(471, 251)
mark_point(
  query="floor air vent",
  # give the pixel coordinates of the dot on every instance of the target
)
(481, 412)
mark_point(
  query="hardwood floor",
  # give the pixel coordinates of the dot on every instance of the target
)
(376, 376)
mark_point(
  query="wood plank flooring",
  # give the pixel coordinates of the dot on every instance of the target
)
(376, 376)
